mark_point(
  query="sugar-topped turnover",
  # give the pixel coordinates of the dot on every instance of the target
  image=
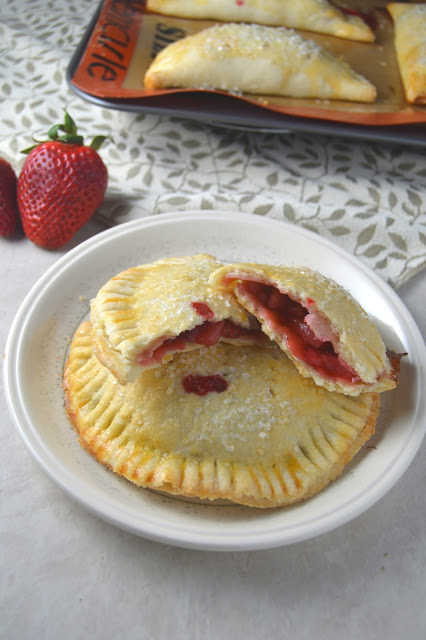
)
(410, 46)
(256, 59)
(319, 16)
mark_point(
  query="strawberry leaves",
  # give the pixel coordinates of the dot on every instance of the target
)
(66, 132)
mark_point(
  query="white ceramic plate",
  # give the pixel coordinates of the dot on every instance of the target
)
(37, 348)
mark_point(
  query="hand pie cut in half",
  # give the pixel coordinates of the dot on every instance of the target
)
(226, 423)
(318, 16)
(320, 326)
(254, 59)
(144, 315)
(410, 46)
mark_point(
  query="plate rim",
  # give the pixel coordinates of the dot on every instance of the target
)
(185, 538)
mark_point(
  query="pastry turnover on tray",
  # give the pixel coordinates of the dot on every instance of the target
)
(319, 16)
(410, 46)
(320, 326)
(144, 315)
(253, 59)
(263, 436)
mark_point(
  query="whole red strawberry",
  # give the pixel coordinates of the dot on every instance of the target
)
(61, 185)
(8, 206)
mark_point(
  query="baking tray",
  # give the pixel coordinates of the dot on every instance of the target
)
(223, 110)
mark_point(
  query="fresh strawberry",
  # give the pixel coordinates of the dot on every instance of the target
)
(61, 185)
(8, 206)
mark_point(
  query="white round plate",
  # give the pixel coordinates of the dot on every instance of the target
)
(37, 348)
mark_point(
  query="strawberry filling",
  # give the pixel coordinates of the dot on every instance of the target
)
(206, 334)
(203, 310)
(309, 336)
(202, 385)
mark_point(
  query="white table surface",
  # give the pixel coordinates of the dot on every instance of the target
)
(67, 574)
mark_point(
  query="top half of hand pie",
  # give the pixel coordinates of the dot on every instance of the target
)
(144, 315)
(319, 16)
(320, 326)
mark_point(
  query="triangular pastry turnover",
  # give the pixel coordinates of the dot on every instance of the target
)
(238, 424)
(144, 315)
(410, 46)
(318, 16)
(254, 59)
(320, 326)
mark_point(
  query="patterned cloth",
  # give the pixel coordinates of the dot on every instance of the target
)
(369, 198)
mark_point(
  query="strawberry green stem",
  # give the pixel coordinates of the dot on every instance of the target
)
(66, 132)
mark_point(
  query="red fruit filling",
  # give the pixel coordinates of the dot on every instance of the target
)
(202, 385)
(206, 334)
(203, 310)
(290, 319)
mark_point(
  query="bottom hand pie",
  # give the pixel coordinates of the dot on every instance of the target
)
(234, 423)
(255, 59)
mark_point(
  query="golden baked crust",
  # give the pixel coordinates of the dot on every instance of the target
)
(340, 327)
(410, 46)
(138, 310)
(256, 59)
(319, 16)
(270, 438)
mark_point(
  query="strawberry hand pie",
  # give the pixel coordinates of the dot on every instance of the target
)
(144, 315)
(265, 438)
(259, 60)
(319, 16)
(321, 327)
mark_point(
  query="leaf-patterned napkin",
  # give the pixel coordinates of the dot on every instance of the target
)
(367, 197)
